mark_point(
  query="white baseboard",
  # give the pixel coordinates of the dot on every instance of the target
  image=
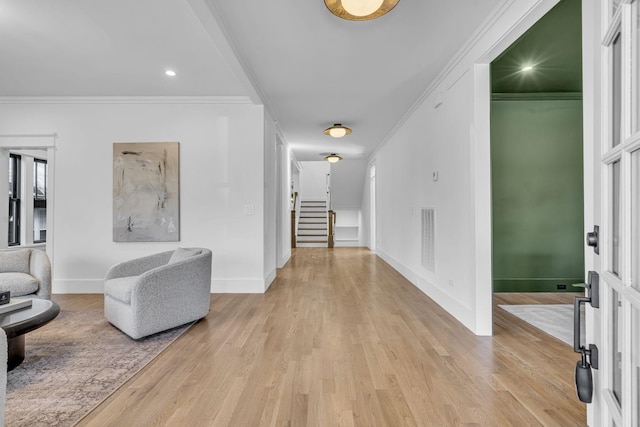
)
(238, 286)
(269, 279)
(284, 259)
(463, 314)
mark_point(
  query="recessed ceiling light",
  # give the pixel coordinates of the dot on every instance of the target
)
(527, 68)
(170, 73)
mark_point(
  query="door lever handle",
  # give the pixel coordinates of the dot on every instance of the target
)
(593, 289)
(583, 376)
(584, 380)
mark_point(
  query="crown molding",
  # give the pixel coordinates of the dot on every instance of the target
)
(125, 100)
(209, 15)
(463, 54)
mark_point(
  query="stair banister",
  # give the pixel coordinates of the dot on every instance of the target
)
(294, 219)
(331, 217)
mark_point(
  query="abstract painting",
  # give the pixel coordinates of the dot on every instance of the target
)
(146, 187)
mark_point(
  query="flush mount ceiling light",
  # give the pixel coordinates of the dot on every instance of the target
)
(337, 131)
(333, 158)
(527, 68)
(360, 10)
(170, 73)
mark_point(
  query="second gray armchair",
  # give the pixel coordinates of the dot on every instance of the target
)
(158, 292)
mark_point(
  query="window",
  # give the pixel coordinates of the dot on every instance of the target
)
(616, 91)
(14, 199)
(40, 171)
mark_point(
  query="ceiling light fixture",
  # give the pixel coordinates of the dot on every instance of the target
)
(527, 68)
(337, 131)
(333, 158)
(170, 73)
(360, 10)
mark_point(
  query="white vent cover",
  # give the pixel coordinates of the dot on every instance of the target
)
(429, 239)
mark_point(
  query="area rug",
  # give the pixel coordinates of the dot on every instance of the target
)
(73, 364)
(554, 319)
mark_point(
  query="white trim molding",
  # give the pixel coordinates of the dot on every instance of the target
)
(125, 100)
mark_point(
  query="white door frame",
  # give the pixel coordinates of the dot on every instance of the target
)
(372, 208)
(481, 164)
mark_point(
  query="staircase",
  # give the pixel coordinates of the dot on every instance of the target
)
(312, 224)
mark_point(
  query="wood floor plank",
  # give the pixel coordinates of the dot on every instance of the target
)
(342, 339)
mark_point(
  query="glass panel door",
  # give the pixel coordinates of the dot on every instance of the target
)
(620, 254)
(635, 378)
(616, 348)
(615, 242)
(616, 90)
(635, 219)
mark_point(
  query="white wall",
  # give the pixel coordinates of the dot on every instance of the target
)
(348, 227)
(347, 181)
(221, 172)
(430, 141)
(365, 210)
(284, 202)
(313, 180)
(447, 131)
(270, 199)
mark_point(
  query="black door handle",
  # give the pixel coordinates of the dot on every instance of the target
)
(584, 380)
(593, 239)
(583, 375)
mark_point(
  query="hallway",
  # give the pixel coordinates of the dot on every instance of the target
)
(342, 339)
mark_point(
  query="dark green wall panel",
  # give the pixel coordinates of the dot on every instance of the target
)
(537, 194)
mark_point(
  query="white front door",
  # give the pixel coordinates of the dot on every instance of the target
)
(612, 163)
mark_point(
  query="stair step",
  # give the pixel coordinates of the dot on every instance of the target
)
(312, 222)
(312, 241)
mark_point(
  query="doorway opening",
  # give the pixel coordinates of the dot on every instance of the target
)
(537, 188)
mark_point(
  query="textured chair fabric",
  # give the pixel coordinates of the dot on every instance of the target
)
(148, 295)
(25, 272)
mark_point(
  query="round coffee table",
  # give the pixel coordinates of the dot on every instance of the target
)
(17, 323)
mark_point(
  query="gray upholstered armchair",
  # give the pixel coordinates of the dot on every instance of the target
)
(158, 292)
(25, 272)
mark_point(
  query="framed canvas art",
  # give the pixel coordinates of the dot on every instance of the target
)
(146, 192)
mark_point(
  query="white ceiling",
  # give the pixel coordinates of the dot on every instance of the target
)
(310, 68)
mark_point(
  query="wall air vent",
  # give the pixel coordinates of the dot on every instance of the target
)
(429, 239)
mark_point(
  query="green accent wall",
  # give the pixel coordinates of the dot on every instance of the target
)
(537, 194)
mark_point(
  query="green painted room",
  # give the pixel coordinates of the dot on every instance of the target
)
(536, 157)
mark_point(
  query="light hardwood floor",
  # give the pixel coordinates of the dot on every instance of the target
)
(342, 339)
